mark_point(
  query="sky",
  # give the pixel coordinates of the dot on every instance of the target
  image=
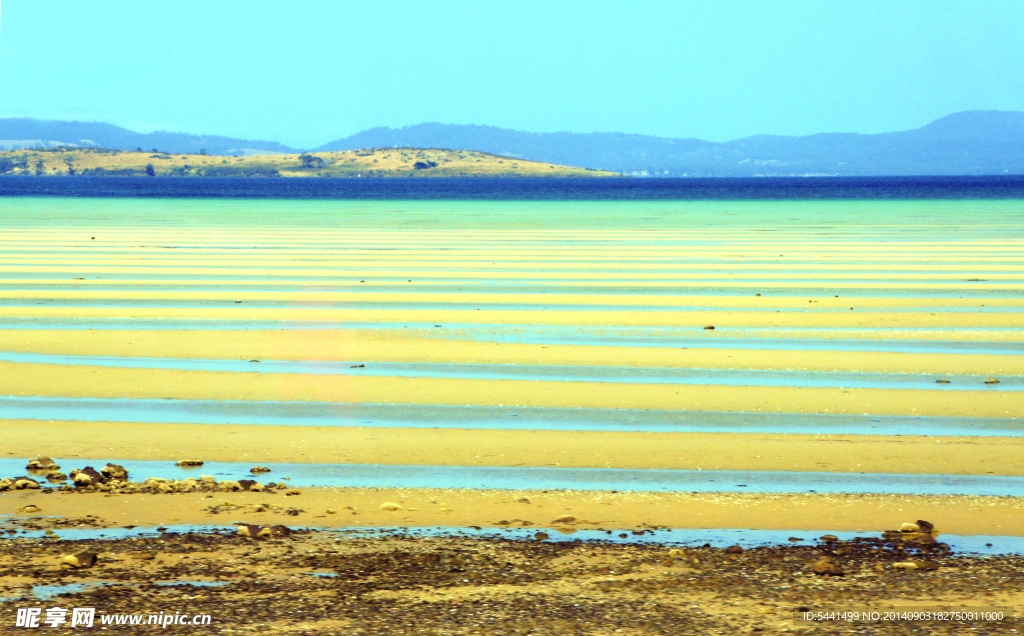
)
(305, 72)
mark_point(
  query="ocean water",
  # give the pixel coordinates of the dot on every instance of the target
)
(538, 188)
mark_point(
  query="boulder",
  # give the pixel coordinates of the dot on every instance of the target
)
(115, 471)
(41, 463)
(925, 526)
(6, 484)
(25, 483)
(259, 469)
(735, 549)
(827, 566)
(390, 505)
(86, 477)
(80, 560)
(189, 463)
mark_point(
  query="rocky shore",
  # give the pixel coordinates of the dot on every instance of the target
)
(290, 581)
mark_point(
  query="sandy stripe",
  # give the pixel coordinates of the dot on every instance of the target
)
(552, 299)
(806, 515)
(627, 318)
(400, 346)
(26, 379)
(623, 264)
(567, 449)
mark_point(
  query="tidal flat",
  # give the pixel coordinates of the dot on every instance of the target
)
(861, 344)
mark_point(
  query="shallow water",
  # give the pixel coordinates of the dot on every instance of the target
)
(546, 478)
(490, 417)
(712, 537)
(560, 373)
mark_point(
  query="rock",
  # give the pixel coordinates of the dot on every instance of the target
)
(709, 327)
(829, 538)
(86, 477)
(733, 549)
(248, 530)
(922, 538)
(826, 566)
(991, 381)
(390, 505)
(6, 484)
(259, 469)
(942, 382)
(541, 536)
(41, 463)
(80, 560)
(55, 475)
(115, 471)
(916, 564)
(247, 484)
(567, 519)
(25, 483)
(331, 511)
(30, 509)
(207, 480)
(926, 526)
(229, 486)
(910, 527)
(189, 463)
(292, 493)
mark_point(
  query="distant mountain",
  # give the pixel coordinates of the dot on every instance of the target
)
(18, 133)
(975, 142)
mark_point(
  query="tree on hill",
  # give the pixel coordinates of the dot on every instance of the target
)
(150, 170)
(310, 161)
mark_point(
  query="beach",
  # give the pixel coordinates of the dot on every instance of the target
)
(736, 345)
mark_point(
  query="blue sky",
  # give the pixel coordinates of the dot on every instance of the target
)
(305, 72)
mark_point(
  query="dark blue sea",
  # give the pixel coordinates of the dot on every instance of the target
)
(523, 189)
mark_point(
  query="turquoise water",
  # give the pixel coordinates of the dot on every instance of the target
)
(936, 219)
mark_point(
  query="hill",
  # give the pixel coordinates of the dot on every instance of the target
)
(977, 142)
(378, 162)
(19, 132)
(968, 143)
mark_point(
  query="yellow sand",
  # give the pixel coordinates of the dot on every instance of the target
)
(107, 441)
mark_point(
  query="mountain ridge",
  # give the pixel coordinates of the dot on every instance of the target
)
(965, 143)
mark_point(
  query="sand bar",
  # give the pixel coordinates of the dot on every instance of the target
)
(54, 380)
(109, 441)
(390, 345)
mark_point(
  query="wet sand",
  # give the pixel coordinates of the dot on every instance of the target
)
(164, 280)
(909, 454)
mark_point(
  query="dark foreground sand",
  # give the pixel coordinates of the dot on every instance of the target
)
(396, 585)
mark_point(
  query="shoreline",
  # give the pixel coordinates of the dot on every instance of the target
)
(338, 508)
